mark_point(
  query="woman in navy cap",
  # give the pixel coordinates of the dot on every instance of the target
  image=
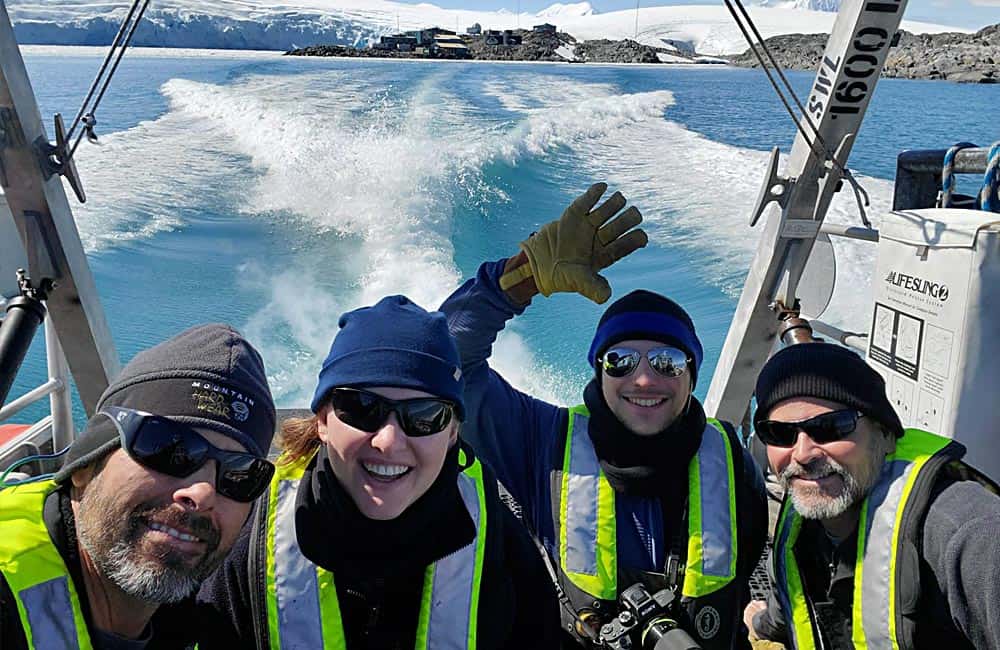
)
(381, 528)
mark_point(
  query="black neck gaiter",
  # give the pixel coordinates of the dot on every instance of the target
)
(647, 466)
(333, 533)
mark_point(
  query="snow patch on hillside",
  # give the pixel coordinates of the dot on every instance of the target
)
(560, 10)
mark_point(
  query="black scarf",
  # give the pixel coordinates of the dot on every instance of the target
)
(333, 533)
(647, 466)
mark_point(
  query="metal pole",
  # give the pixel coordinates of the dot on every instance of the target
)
(60, 400)
(24, 314)
(44, 221)
(851, 232)
(29, 398)
(846, 78)
(856, 340)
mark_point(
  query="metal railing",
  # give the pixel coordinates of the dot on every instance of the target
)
(58, 425)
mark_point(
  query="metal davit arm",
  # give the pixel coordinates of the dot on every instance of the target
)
(38, 206)
(838, 99)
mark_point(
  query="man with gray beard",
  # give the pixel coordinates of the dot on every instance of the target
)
(886, 539)
(149, 500)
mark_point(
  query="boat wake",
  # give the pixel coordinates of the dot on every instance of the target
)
(372, 176)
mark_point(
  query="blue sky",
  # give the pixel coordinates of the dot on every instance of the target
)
(963, 13)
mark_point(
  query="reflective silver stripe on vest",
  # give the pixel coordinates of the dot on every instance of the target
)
(50, 615)
(581, 501)
(299, 621)
(781, 569)
(883, 504)
(716, 531)
(451, 594)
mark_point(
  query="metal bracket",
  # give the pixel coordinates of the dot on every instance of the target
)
(56, 159)
(775, 188)
(833, 179)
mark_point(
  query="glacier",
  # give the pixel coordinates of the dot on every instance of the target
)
(241, 24)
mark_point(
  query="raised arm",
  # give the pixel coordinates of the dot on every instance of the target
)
(512, 431)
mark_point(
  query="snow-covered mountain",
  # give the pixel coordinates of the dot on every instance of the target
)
(811, 5)
(560, 10)
(244, 24)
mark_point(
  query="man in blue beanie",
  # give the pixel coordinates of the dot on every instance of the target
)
(636, 485)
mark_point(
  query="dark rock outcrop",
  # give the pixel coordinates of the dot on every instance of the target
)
(535, 46)
(339, 50)
(627, 51)
(973, 58)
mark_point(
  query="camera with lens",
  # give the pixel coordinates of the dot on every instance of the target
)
(646, 621)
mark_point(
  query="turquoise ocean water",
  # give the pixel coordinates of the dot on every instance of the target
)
(274, 193)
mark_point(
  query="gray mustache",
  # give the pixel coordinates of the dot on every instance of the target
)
(815, 469)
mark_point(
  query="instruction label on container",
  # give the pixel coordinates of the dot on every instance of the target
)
(919, 315)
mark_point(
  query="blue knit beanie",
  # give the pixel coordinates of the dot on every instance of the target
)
(647, 316)
(394, 343)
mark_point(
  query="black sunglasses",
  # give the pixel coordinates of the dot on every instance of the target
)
(667, 361)
(361, 409)
(828, 427)
(174, 449)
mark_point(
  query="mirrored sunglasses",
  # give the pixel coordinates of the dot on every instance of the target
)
(666, 360)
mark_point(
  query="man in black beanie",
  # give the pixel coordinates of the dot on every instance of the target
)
(149, 499)
(885, 534)
(635, 485)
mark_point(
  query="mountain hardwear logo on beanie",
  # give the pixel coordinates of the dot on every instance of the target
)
(393, 343)
(644, 315)
(208, 377)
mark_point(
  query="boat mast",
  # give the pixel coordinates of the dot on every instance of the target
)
(852, 63)
(30, 169)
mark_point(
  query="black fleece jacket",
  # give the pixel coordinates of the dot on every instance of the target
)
(959, 605)
(379, 597)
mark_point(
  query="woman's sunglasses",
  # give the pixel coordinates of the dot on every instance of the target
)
(175, 449)
(828, 427)
(667, 361)
(422, 416)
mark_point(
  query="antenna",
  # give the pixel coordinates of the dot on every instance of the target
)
(519, 14)
(637, 20)
(397, 23)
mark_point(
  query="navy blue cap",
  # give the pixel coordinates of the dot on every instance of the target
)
(393, 343)
(644, 315)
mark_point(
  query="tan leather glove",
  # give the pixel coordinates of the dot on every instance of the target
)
(566, 255)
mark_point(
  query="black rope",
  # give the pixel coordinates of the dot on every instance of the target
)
(817, 145)
(121, 42)
(100, 73)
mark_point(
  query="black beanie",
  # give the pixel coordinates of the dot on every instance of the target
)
(208, 377)
(644, 315)
(826, 371)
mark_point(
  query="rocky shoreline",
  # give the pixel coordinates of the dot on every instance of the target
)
(969, 58)
(536, 46)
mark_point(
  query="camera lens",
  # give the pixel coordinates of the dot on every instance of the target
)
(670, 638)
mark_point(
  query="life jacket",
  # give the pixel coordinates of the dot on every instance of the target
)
(300, 598)
(47, 601)
(586, 535)
(887, 565)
